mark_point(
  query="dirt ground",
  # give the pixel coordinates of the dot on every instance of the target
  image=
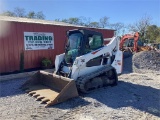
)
(137, 96)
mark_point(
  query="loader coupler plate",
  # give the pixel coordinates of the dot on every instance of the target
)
(50, 88)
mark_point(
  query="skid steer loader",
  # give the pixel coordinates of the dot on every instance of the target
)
(86, 65)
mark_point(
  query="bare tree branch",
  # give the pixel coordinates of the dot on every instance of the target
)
(103, 22)
(119, 27)
(19, 12)
(141, 25)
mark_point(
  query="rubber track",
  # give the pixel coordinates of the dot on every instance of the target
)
(80, 82)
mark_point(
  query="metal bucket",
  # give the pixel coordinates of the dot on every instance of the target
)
(50, 88)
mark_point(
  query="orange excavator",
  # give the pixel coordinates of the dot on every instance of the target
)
(131, 43)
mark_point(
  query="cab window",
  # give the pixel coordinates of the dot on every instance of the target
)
(94, 42)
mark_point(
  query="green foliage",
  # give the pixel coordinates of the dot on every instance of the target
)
(94, 24)
(83, 21)
(103, 22)
(20, 12)
(31, 14)
(153, 33)
(46, 62)
(141, 26)
(74, 21)
(158, 39)
(8, 13)
(22, 61)
(40, 15)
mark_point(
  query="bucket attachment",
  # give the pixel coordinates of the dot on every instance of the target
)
(50, 88)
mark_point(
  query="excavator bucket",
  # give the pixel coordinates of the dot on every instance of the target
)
(50, 88)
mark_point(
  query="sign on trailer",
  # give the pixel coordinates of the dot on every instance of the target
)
(38, 40)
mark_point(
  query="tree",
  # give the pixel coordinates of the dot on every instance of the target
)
(58, 20)
(40, 15)
(19, 12)
(31, 14)
(103, 22)
(153, 33)
(141, 26)
(84, 21)
(65, 20)
(74, 21)
(8, 13)
(119, 27)
(94, 25)
(158, 39)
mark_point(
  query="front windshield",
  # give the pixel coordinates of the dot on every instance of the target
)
(74, 41)
(73, 47)
(129, 43)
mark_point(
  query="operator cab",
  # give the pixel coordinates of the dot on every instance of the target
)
(130, 43)
(80, 42)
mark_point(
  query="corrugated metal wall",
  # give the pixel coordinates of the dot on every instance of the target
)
(12, 44)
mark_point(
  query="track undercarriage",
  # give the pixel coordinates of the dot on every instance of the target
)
(103, 77)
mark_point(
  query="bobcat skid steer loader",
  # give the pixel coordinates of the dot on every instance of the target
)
(86, 65)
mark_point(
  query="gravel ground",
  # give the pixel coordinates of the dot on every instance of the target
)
(146, 60)
(137, 96)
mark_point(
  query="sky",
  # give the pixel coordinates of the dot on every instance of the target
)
(125, 11)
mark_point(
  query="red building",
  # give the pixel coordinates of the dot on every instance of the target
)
(12, 37)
